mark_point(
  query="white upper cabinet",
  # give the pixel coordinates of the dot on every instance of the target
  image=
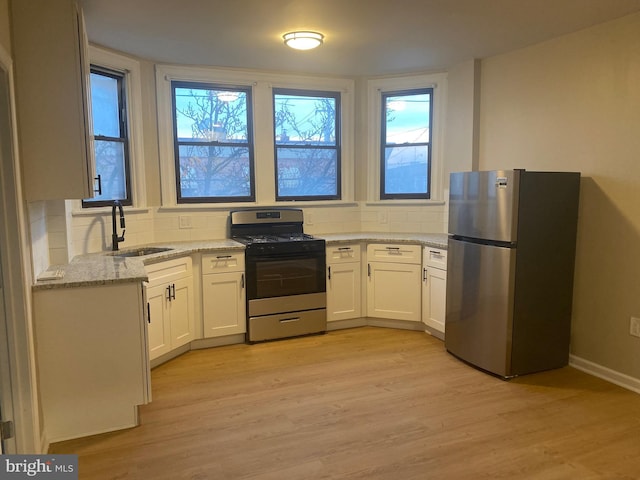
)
(52, 98)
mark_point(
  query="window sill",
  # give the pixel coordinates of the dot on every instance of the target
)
(400, 202)
(90, 212)
(238, 206)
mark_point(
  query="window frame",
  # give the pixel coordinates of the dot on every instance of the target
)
(337, 146)
(250, 142)
(384, 145)
(123, 116)
(375, 88)
(262, 84)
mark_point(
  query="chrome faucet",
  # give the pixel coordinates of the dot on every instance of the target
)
(115, 238)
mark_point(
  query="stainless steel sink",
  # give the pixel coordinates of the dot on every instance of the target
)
(140, 252)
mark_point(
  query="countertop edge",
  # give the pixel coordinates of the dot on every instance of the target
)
(104, 268)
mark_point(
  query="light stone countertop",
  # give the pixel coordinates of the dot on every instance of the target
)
(104, 268)
(436, 240)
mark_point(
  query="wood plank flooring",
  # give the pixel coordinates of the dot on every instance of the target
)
(366, 403)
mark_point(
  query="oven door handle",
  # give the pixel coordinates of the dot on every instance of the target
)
(289, 320)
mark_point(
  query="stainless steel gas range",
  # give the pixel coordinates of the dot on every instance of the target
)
(285, 274)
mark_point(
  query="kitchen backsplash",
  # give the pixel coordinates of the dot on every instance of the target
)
(70, 234)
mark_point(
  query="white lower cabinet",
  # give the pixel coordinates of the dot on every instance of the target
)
(393, 282)
(434, 288)
(223, 294)
(91, 358)
(343, 282)
(170, 305)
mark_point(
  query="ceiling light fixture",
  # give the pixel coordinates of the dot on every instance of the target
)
(303, 40)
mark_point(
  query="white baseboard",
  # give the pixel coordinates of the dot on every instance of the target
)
(620, 379)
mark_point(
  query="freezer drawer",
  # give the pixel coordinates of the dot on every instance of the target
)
(479, 313)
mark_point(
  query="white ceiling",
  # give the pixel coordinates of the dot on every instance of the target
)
(363, 37)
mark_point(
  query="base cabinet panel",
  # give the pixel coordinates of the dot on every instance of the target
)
(343, 291)
(170, 305)
(223, 294)
(92, 358)
(393, 291)
(159, 321)
(434, 288)
(223, 304)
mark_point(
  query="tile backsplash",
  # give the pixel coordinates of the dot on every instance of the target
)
(69, 233)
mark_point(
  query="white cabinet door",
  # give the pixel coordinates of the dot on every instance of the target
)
(434, 298)
(170, 298)
(394, 290)
(181, 312)
(434, 288)
(343, 291)
(49, 46)
(223, 300)
(159, 322)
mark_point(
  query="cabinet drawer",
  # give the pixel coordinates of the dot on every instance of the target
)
(435, 257)
(169, 270)
(397, 253)
(343, 254)
(223, 262)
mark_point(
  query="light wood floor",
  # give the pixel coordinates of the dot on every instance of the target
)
(367, 403)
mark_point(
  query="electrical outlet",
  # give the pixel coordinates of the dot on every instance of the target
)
(185, 222)
(634, 327)
(382, 217)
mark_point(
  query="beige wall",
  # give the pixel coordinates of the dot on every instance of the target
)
(574, 104)
(5, 39)
(463, 104)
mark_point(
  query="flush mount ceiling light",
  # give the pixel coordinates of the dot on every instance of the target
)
(303, 40)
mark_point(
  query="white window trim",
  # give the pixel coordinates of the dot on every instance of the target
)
(133, 86)
(375, 88)
(262, 107)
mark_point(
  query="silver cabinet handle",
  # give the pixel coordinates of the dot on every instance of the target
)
(424, 274)
(288, 320)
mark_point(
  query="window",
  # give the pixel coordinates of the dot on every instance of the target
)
(307, 144)
(213, 143)
(111, 143)
(405, 150)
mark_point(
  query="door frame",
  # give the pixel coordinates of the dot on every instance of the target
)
(17, 278)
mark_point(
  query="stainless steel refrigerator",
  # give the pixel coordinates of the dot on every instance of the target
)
(510, 266)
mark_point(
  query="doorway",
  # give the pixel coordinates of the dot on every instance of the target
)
(18, 387)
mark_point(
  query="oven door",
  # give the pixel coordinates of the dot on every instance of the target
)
(285, 274)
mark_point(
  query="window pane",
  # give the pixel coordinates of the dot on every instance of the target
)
(214, 171)
(110, 166)
(306, 172)
(406, 169)
(104, 105)
(211, 115)
(407, 118)
(305, 120)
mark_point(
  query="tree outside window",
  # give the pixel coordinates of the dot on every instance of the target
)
(307, 144)
(213, 143)
(405, 168)
(111, 143)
